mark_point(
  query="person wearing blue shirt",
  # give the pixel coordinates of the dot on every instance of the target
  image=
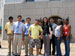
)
(52, 40)
(27, 39)
(18, 31)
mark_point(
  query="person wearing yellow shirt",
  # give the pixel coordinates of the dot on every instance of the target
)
(34, 32)
(8, 30)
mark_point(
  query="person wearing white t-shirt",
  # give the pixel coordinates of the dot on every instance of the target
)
(58, 36)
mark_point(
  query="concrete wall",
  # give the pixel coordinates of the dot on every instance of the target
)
(41, 9)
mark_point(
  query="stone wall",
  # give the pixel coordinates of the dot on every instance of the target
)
(39, 10)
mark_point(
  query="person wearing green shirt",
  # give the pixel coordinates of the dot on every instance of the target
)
(34, 31)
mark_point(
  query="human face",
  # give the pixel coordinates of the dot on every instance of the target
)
(59, 21)
(65, 21)
(24, 22)
(36, 22)
(11, 20)
(19, 19)
(51, 20)
(45, 20)
(28, 21)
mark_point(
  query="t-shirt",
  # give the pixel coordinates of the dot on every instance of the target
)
(35, 31)
(26, 28)
(8, 27)
(53, 27)
(57, 31)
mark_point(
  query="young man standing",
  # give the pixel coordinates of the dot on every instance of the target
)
(27, 39)
(53, 36)
(34, 31)
(8, 30)
(18, 31)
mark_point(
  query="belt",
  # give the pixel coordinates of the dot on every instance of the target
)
(26, 35)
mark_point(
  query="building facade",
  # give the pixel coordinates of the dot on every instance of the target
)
(39, 9)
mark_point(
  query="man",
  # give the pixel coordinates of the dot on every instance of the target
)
(53, 36)
(8, 30)
(34, 31)
(18, 31)
(0, 33)
(27, 39)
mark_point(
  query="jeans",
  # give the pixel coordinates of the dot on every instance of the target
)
(67, 46)
(46, 40)
(52, 41)
(58, 42)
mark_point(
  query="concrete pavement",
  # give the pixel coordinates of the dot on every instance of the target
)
(4, 49)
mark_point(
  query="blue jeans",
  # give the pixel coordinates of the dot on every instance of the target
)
(58, 42)
(67, 46)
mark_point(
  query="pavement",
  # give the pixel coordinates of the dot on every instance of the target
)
(4, 49)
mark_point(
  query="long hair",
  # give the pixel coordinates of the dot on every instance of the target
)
(46, 22)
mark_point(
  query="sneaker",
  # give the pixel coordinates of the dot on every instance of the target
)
(9, 54)
(26, 55)
(31, 54)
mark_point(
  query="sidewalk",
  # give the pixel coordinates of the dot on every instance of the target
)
(4, 49)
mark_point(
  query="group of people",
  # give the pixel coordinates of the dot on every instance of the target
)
(45, 32)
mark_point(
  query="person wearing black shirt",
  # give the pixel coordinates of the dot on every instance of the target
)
(46, 37)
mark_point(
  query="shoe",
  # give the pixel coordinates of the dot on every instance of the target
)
(53, 54)
(30, 55)
(18, 55)
(9, 54)
(14, 55)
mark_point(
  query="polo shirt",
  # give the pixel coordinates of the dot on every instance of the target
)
(35, 30)
(8, 27)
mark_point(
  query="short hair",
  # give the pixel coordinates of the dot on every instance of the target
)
(10, 17)
(28, 18)
(51, 18)
(45, 17)
(19, 16)
(23, 20)
(37, 20)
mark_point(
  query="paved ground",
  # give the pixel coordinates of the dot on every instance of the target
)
(4, 49)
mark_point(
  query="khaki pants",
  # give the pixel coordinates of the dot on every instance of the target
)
(10, 43)
(27, 42)
(17, 42)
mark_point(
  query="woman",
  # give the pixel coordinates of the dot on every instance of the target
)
(46, 38)
(58, 36)
(67, 34)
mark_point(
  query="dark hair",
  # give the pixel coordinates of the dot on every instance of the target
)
(51, 18)
(47, 20)
(28, 18)
(10, 17)
(37, 20)
(67, 19)
(23, 20)
(19, 16)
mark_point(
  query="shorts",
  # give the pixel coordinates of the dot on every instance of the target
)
(35, 42)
